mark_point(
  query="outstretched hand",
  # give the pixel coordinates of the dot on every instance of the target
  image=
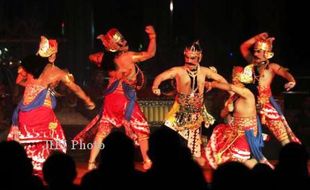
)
(156, 91)
(90, 105)
(288, 86)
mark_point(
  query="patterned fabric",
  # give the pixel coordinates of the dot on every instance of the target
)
(273, 118)
(186, 117)
(40, 131)
(119, 109)
(114, 115)
(229, 143)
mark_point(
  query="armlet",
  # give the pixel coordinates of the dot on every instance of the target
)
(69, 78)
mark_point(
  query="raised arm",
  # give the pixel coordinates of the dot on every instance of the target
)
(283, 72)
(168, 74)
(151, 50)
(246, 46)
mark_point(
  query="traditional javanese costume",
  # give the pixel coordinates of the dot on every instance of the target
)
(186, 117)
(119, 105)
(269, 110)
(189, 112)
(40, 131)
(229, 142)
(241, 138)
(272, 116)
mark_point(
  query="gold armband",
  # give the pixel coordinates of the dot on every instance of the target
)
(69, 78)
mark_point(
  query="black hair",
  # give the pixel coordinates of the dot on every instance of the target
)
(107, 62)
(34, 64)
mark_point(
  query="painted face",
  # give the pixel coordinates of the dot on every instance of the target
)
(52, 58)
(259, 56)
(191, 60)
(122, 44)
(262, 50)
(193, 54)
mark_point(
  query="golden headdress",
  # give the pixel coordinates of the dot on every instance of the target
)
(111, 40)
(265, 45)
(244, 75)
(194, 51)
(47, 47)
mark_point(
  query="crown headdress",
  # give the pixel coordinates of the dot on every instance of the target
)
(47, 47)
(111, 39)
(265, 45)
(244, 75)
(194, 50)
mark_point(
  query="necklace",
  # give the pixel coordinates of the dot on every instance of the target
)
(259, 70)
(193, 76)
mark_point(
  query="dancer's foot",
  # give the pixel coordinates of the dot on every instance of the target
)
(147, 164)
(91, 165)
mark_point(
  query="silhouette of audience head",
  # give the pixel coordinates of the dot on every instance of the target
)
(293, 160)
(173, 166)
(16, 168)
(118, 152)
(15, 159)
(292, 171)
(229, 174)
(116, 166)
(166, 144)
(263, 173)
(59, 170)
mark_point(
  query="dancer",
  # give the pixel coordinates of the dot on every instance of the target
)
(241, 138)
(119, 106)
(188, 111)
(265, 71)
(34, 123)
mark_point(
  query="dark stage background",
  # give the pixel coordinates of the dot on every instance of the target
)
(221, 26)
